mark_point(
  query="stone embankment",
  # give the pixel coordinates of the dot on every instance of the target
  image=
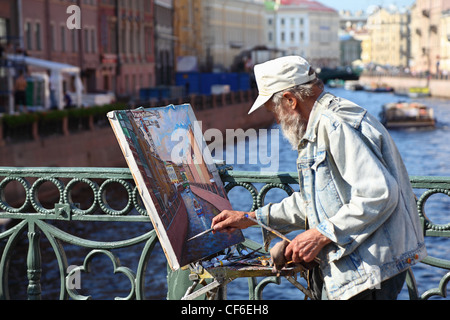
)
(438, 87)
(96, 146)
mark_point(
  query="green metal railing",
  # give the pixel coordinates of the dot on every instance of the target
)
(42, 203)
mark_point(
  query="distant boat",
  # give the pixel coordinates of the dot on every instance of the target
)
(378, 88)
(335, 83)
(419, 92)
(404, 115)
(353, 86)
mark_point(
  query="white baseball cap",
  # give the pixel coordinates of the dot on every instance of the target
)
(279, 74)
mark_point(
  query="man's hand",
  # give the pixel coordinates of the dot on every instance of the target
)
(306, 246)
(229, 221)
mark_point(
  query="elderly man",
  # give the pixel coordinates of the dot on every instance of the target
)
(355, 201)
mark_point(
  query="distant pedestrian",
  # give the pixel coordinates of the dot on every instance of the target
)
(68, 101)
(20, 87)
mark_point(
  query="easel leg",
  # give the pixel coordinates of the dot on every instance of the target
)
(192, 295)
(299, 286)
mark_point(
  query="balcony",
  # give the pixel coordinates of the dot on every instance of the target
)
(49, 214)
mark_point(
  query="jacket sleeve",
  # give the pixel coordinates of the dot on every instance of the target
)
(373, 192)
(285, 217)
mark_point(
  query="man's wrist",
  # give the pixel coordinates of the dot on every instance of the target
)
(321, 238)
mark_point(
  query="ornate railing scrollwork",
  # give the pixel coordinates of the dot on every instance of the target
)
(34, 217)
(429, 225)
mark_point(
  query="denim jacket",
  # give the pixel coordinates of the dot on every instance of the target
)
(355, 190)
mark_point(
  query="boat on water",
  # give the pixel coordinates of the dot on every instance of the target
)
(406, 115)
(353, 85)
(419, 92)
(335, 83)
(378, 88)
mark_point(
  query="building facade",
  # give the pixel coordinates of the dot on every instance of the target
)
(350, 49)
(45, 35)
(111, 41)
(444, 59)
(305, 28)
(189, 50)
(389, 33)
(428, 36)
(136, 36)
(108, 46)
(164, 42)
(229, 28)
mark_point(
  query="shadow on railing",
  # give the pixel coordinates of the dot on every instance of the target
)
(76, 199)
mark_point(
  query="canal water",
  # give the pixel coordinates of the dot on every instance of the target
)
(425, 152)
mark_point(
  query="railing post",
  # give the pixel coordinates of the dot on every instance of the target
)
(34, 264)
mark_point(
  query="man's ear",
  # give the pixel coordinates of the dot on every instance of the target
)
(291, 100)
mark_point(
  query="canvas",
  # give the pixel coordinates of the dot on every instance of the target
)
(177, 179)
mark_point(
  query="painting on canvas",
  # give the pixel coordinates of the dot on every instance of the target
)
(178, 182)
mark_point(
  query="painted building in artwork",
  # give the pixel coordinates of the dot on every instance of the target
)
(196, 161)
(203, 178)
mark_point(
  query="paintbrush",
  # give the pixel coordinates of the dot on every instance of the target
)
(275, 232)
(200, 234)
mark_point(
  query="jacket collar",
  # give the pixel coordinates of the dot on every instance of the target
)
(322, 103)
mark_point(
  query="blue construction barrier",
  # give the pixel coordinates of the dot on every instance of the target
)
(201, 83)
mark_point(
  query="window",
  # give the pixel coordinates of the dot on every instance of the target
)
(138, 40)
(93, 41)
(86, 40)
(124, 40)
(38, 36)
(52, 37)
(28, 36)
(113, 38)
(132, 35)
(63, 38)
(74, 36)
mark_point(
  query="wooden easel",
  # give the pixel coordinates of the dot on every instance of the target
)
(221, 276)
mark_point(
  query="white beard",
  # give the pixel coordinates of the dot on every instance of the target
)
(293, 127)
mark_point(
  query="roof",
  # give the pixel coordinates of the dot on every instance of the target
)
(307, 5)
